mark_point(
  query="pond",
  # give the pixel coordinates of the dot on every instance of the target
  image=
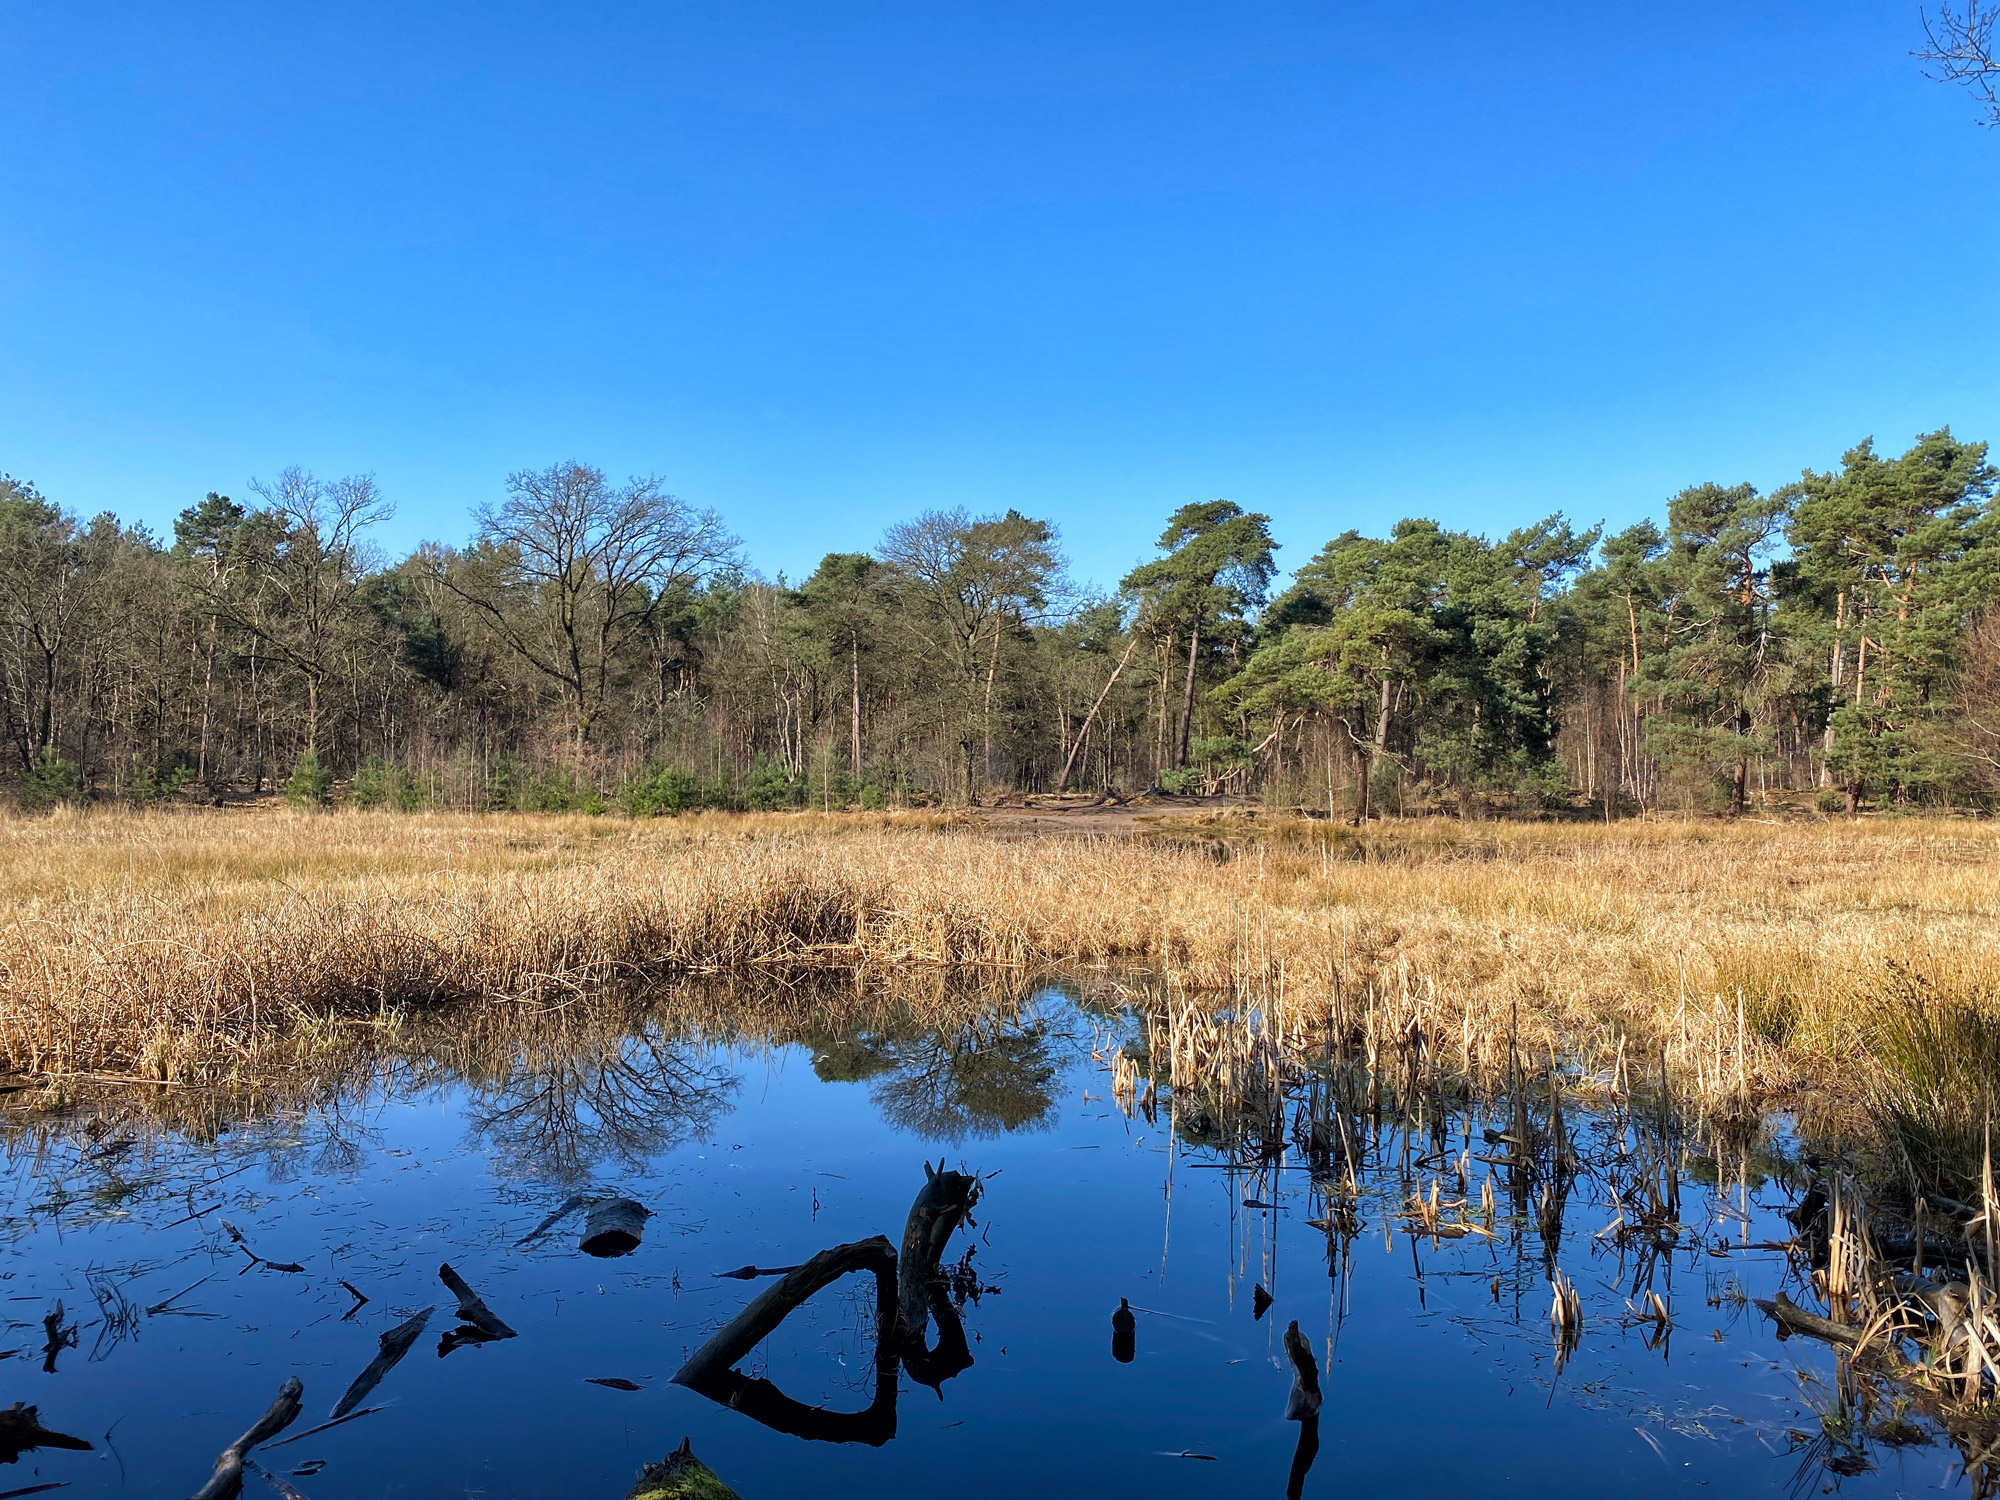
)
(198, 1269)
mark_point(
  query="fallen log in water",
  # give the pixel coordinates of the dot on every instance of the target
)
(471, 1309)
(612, 1227)
(1791, 1318)
(393, 1346)
(776, 1302)
(710, 1370)
(908, 1296)
(227, 1480)
(680, 1476)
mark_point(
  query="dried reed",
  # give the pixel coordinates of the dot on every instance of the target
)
(1750, 959)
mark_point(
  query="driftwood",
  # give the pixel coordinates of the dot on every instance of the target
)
(710, 1370)
(776, 1302)
(285, 1488)
(394, 1345)
(227, 1480)
(941, 1206)
(1304, 1400)
(1302, 1406)
(21, 1429)
(59, 1338)
(680, 1476)
(751, 1273)
(908, 1297)
(946, 1198)
(1791, 1318)
(482, 1325)
(612, 1227)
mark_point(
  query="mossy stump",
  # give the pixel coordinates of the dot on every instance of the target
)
(680, 1476)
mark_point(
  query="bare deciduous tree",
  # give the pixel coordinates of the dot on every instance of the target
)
(570, 569)
(306, 560)
(1959, 48)
(1979, 697)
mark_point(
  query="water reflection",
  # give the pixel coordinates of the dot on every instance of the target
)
(1435, 1221)
(994, 1075)
(571, 1101)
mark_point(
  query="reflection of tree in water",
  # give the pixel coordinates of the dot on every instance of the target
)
(574, 1100)
(993, 1076)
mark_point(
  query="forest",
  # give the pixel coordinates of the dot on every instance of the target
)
(597, 645)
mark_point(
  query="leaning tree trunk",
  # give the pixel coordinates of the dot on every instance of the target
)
(1083, 734)
(1187, 694)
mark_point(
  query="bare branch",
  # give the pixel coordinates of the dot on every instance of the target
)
(1960, 49)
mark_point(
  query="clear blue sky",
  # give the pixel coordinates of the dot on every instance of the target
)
(822, 265)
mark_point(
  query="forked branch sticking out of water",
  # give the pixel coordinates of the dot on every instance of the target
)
(908, 1295)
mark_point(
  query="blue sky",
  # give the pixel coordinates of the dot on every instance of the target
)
(823, 265)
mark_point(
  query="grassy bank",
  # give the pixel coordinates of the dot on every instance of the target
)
(187, 946)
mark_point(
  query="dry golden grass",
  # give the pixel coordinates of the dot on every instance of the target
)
(188, 945)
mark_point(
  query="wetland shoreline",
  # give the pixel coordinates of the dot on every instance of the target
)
(1761, 962)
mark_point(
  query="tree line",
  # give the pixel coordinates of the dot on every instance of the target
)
(597, 645)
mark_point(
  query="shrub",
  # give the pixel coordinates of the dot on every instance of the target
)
(148, 785)
(829, 788)
(519, 788)
(376, 783)
(370, 785)
(311, 784)
(1544, 784)
(664, 789)
(50, 782)
(770, 787)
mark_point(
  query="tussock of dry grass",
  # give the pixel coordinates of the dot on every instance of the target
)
(181, 945)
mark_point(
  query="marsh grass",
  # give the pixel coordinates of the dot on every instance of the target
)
(1931, 1088)
(1751, 959)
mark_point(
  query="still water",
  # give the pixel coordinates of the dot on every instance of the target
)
(1437, 1361)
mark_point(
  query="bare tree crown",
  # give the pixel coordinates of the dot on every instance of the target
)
(1959, 48)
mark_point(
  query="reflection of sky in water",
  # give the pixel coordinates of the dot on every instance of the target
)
(1439, 1380)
